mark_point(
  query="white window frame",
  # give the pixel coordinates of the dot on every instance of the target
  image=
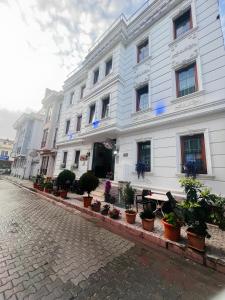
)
(135, 147)
(110, 58)
(101, 106)
(136, 87)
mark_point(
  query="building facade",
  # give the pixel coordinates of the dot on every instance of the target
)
(51, 107)
(6, 159)
(151, 92)
(29, 129)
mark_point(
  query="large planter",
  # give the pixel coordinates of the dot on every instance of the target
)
(48, 191)
(35, 185)
(130, 217)
(87, 201)
(63, 194)
(148, 224)
(195, 241)
(170, 232)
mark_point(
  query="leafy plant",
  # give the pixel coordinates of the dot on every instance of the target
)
(105, 209)
(173, 219)
(65, 179)
(147, 214)
(114, 213)
(49, 185)
(127, 195)
(88, 182)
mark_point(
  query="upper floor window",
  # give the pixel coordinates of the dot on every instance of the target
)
(67, 126)
(82, 91)
(182, 24)
(71, 98)
(44, 138)
(96, 76)
(60, 108)
(142, 101)
(144, 154)
(55, 137)
(77, 158)
(142, 51)
(79, 120)
(4, 153)
(105, 108)
(91, 113)
(193, 152)
(49, 114)
(186, 80)
(108, 67)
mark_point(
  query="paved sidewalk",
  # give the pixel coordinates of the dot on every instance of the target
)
(49, 253)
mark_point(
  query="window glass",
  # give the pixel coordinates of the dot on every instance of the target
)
(82, 91)
(142, 51)
(193, 151)
(71, 98)
(55, 137)
(67, 126)
(77, 157)
(105, 108)
(144, 154)
(64, 158)
(142, 101)
(182, 24)
(92, 113)
(96, 75)
(44, 138)
(79, 120)
(108, 67)
(186, 80)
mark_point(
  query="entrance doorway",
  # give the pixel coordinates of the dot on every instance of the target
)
(103, 161)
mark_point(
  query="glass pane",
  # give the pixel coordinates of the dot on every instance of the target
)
(144, 154)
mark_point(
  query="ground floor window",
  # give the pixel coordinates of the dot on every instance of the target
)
(144, 154)
(44, 165)
(77, 158)
(64, 158)
(193, 151)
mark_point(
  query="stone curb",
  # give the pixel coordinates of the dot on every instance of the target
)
(149, 238)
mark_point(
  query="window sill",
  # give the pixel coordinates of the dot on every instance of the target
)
(142, 62)
(189, 96)
(180, 38)
(140, 112)
(199, 176)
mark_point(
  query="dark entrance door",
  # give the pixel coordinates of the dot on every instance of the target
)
(103, 161)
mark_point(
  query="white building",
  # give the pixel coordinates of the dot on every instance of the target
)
(155, 86)
(52, 104)
(29, 129)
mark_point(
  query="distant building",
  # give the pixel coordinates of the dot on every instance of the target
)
(29, 129)
(6, 147)
(51, 108)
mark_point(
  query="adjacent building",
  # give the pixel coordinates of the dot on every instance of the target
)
(150, 91)
(6, 159)
(29, 128)
(51, 107)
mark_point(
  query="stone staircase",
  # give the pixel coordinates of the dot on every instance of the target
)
(98, 194)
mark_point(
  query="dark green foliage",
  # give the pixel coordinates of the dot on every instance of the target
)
(147, 214)
(88, 182)
(127, 195)
(49, 185)
(172, 219)
(65, 179)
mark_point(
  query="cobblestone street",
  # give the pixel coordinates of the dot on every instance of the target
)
(49, 253)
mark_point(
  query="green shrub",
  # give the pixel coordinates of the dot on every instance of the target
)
(65, 179)
(88, 182)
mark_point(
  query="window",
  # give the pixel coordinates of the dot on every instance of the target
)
(82, 91)
(79, 120)
(92, 113)
(49, 114)
(186, 80)
(105, 108)
(142, 101)
(144, 154)
(64, 158)
(71, 98)
(142, 51)
(4, 153)
(193, 150)
(60, 108)
(55, 137)
(96, 76)
(44, 165)
(108, 67)
(67, 126)
(182, 24)
(77, 157)
(44, 138)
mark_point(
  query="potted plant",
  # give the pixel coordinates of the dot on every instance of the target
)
(128, 194)
(48, 187)
(147, 216)
(107, 191)
(88, 183)
(114, 213)
(172, 225)
(105, 210)
(196, 209)
(96, 206)
(64, 181)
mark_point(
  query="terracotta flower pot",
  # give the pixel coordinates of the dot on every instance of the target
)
(130, 217)
(96, 207)
(41, 188)
(170, 232)
(48, 191)
(87, 201)
(63, 194)
(35, 185)
(148, 224)
(195, 241)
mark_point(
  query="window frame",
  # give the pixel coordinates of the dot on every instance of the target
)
(77, 157)
(178, 71)
(103, 100)
(44, 137)
(79, 121)
(94, 72)
(67, 129)
(189, 9)
(110, 71)
(145, 141)
(71, 98)
(82, 89)
(65, 156)
(139, 47)
(89, 120)
(137, 98)
(183, 138)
